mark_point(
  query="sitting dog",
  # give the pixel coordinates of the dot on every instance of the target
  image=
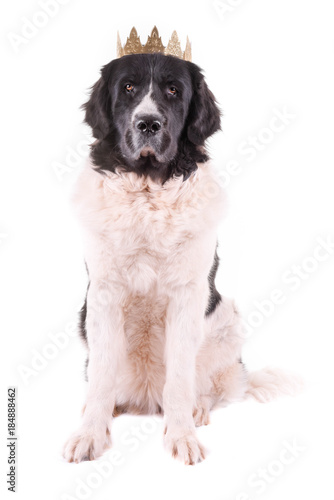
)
(161, 339)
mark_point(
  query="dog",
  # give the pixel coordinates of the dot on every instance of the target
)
(161, 339)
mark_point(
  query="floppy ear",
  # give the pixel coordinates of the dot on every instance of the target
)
(98, 107)
(204, 114)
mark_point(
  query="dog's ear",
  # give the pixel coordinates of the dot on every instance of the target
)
(204, 115)
(98, 108)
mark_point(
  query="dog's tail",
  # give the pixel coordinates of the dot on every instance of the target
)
(270, 383)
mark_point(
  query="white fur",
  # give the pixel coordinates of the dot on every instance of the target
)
(147, 106)
(268, 384)
(149, 249)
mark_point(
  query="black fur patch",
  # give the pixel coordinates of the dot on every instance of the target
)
(82, 320)
(83, 329)
(215, 298)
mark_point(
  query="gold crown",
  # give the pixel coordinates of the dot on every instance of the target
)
(154, 44)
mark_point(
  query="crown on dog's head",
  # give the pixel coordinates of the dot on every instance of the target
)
(153, 45)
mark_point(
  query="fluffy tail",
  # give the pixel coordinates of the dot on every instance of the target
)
(270, 383)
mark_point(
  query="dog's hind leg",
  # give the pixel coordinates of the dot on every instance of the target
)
(222, 377)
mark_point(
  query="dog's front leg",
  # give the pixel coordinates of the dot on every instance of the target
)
(184, 333)
(104, 325)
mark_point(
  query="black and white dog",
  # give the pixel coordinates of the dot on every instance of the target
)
(161, 339)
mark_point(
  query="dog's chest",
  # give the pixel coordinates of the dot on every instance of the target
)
(148, 220)
(146, 233)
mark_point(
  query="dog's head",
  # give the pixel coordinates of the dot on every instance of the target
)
(151, 114)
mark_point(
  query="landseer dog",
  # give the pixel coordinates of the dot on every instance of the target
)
(161, 339)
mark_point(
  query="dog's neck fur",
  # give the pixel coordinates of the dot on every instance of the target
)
(106, 156)
(118, 197)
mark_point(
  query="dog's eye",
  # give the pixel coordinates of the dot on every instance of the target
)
(128, 87)
(172, 90)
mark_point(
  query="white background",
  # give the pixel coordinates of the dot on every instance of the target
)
(259, 56)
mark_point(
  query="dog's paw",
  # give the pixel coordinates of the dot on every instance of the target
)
(185, 447)
(86, 444)
(201, 416)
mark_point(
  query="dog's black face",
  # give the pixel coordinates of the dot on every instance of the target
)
(150, 100)
(151, 114)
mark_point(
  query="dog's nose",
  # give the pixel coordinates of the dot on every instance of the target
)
(148, 124)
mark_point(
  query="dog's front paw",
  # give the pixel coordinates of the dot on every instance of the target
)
(86, 444)
(184, 446)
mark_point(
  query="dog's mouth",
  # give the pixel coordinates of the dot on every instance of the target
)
(147, 151)
(148, 158)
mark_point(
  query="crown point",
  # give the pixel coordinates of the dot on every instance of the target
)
(154, 43)
(155, 32)
(133, 44)
(187, 56)
(174, 47)
(120, 51)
